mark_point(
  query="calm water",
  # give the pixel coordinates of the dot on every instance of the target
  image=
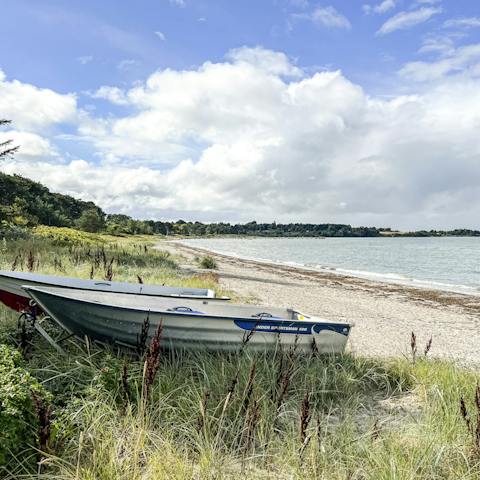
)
(443, 263)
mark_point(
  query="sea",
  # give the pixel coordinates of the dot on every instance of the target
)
(444, 263)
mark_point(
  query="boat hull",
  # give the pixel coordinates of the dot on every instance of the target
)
(16, 302)
(123, 325)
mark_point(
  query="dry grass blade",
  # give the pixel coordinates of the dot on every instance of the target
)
(249, 387)
(43, 413)
(252, 421)
(152, 361)
(247, 336)
(30, 261)
(230, 391)
(109, 271)
(413, 346)
(375, 430)
(124, 383)
(465, 415)
(428, 346)
(201, 421)
(15, 263)
(143, 337)
(305, 417)
(319, 432)
(477, 430)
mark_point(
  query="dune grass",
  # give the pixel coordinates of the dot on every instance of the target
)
(229, 415)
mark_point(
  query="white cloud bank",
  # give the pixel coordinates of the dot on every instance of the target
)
(34, 108)
(254, 137)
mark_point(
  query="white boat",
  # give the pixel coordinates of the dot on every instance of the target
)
(13, 295)
(118, 318)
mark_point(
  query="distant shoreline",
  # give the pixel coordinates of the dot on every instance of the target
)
(375, 277)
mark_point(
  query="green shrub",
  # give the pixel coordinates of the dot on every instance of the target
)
(208, 262)
(10, 231)
(18, 421)
(67, 236)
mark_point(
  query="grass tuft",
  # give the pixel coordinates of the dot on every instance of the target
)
(208, 262)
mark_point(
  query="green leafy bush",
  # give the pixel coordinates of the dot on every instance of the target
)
(18, 421)
(208, 262)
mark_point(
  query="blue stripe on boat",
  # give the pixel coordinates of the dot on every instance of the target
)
(300, 328)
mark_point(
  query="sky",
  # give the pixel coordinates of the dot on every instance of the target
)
(340, 111)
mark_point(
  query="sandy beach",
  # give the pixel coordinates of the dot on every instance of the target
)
(384, 314)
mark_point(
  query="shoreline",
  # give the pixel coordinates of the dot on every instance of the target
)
(384, 314)
(397, 279)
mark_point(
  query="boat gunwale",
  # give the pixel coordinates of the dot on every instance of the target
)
(286, 321)
(12, 275)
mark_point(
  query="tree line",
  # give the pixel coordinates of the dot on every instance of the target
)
(25, 203)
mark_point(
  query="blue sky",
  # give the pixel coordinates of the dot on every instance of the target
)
(101, 79)
(75, 46)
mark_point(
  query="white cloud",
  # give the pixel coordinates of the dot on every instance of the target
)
(85, 59)
(31, 144)
(112, 94)
(177, 3)
(462, 60)
(239, 139)
(276, 63)
(464, 22)
(443, 45)
(381, 7)
(327, 17)
(404, 20)
(299, 3)
(160, 35)
(127, 64)
(33, 108)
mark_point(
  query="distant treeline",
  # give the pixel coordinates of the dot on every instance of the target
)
(124, 224)
(458, 232)
(25, 203)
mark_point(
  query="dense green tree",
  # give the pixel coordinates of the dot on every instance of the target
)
(21, 197)
(91, 221)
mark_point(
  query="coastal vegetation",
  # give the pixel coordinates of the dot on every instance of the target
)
(25, 204)
(207, 262)
(103, 413)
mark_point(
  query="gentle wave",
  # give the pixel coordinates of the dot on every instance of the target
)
(253, 250)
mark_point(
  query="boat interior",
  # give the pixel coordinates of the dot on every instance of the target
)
(174, 305)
